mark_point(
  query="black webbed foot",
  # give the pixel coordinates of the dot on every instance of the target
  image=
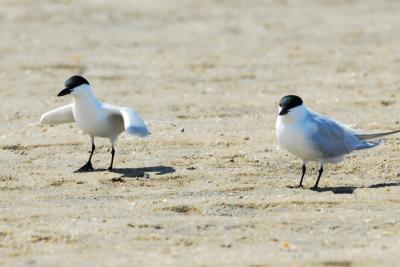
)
(85, 168)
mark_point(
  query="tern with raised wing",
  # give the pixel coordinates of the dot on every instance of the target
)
(313, 137)
(94, 118)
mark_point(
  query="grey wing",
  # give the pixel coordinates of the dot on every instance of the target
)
(59, 115)
(332, 138)
(133, 123)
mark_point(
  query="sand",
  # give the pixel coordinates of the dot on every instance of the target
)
(209, 187)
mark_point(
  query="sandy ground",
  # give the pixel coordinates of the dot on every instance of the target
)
(216, 194)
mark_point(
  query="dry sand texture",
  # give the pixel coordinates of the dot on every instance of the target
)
(215, 194)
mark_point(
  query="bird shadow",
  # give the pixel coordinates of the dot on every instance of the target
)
(384, 185)
(351, 189)
(336, 190)
(141, 172)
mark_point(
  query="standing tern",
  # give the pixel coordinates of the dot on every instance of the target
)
(94, 118)
(313, 137)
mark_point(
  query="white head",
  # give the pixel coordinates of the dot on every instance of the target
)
(291, 108)
(77, 86)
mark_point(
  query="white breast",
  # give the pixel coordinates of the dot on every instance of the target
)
(92, 120)
(294, 137)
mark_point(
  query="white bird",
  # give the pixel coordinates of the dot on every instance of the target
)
(94, 118)
(313, 137)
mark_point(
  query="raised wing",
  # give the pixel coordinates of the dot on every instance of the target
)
(133, 123)
(334, 139)
(59, 115)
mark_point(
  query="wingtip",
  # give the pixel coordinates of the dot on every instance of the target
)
(42, 119)
(139, 131)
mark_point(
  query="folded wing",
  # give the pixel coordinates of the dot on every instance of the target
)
(59, 115)
(334, 139)
(133, 123)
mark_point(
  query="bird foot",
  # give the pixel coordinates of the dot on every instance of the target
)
(110, 168)
(85, 168)
(295, 186)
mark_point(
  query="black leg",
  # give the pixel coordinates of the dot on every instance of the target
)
(302, 175)
(321, 169)
(88, 166)
(112, 159)
(91, 153)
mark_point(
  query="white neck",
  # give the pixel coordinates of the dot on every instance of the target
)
(83, 95)
(295, 115)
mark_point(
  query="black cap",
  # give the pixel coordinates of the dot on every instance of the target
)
(75, 81)
(288, 102)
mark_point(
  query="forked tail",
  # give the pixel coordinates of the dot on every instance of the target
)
(372, 136)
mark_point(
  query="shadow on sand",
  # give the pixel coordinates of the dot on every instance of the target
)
(140, 172)
(350, 189)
